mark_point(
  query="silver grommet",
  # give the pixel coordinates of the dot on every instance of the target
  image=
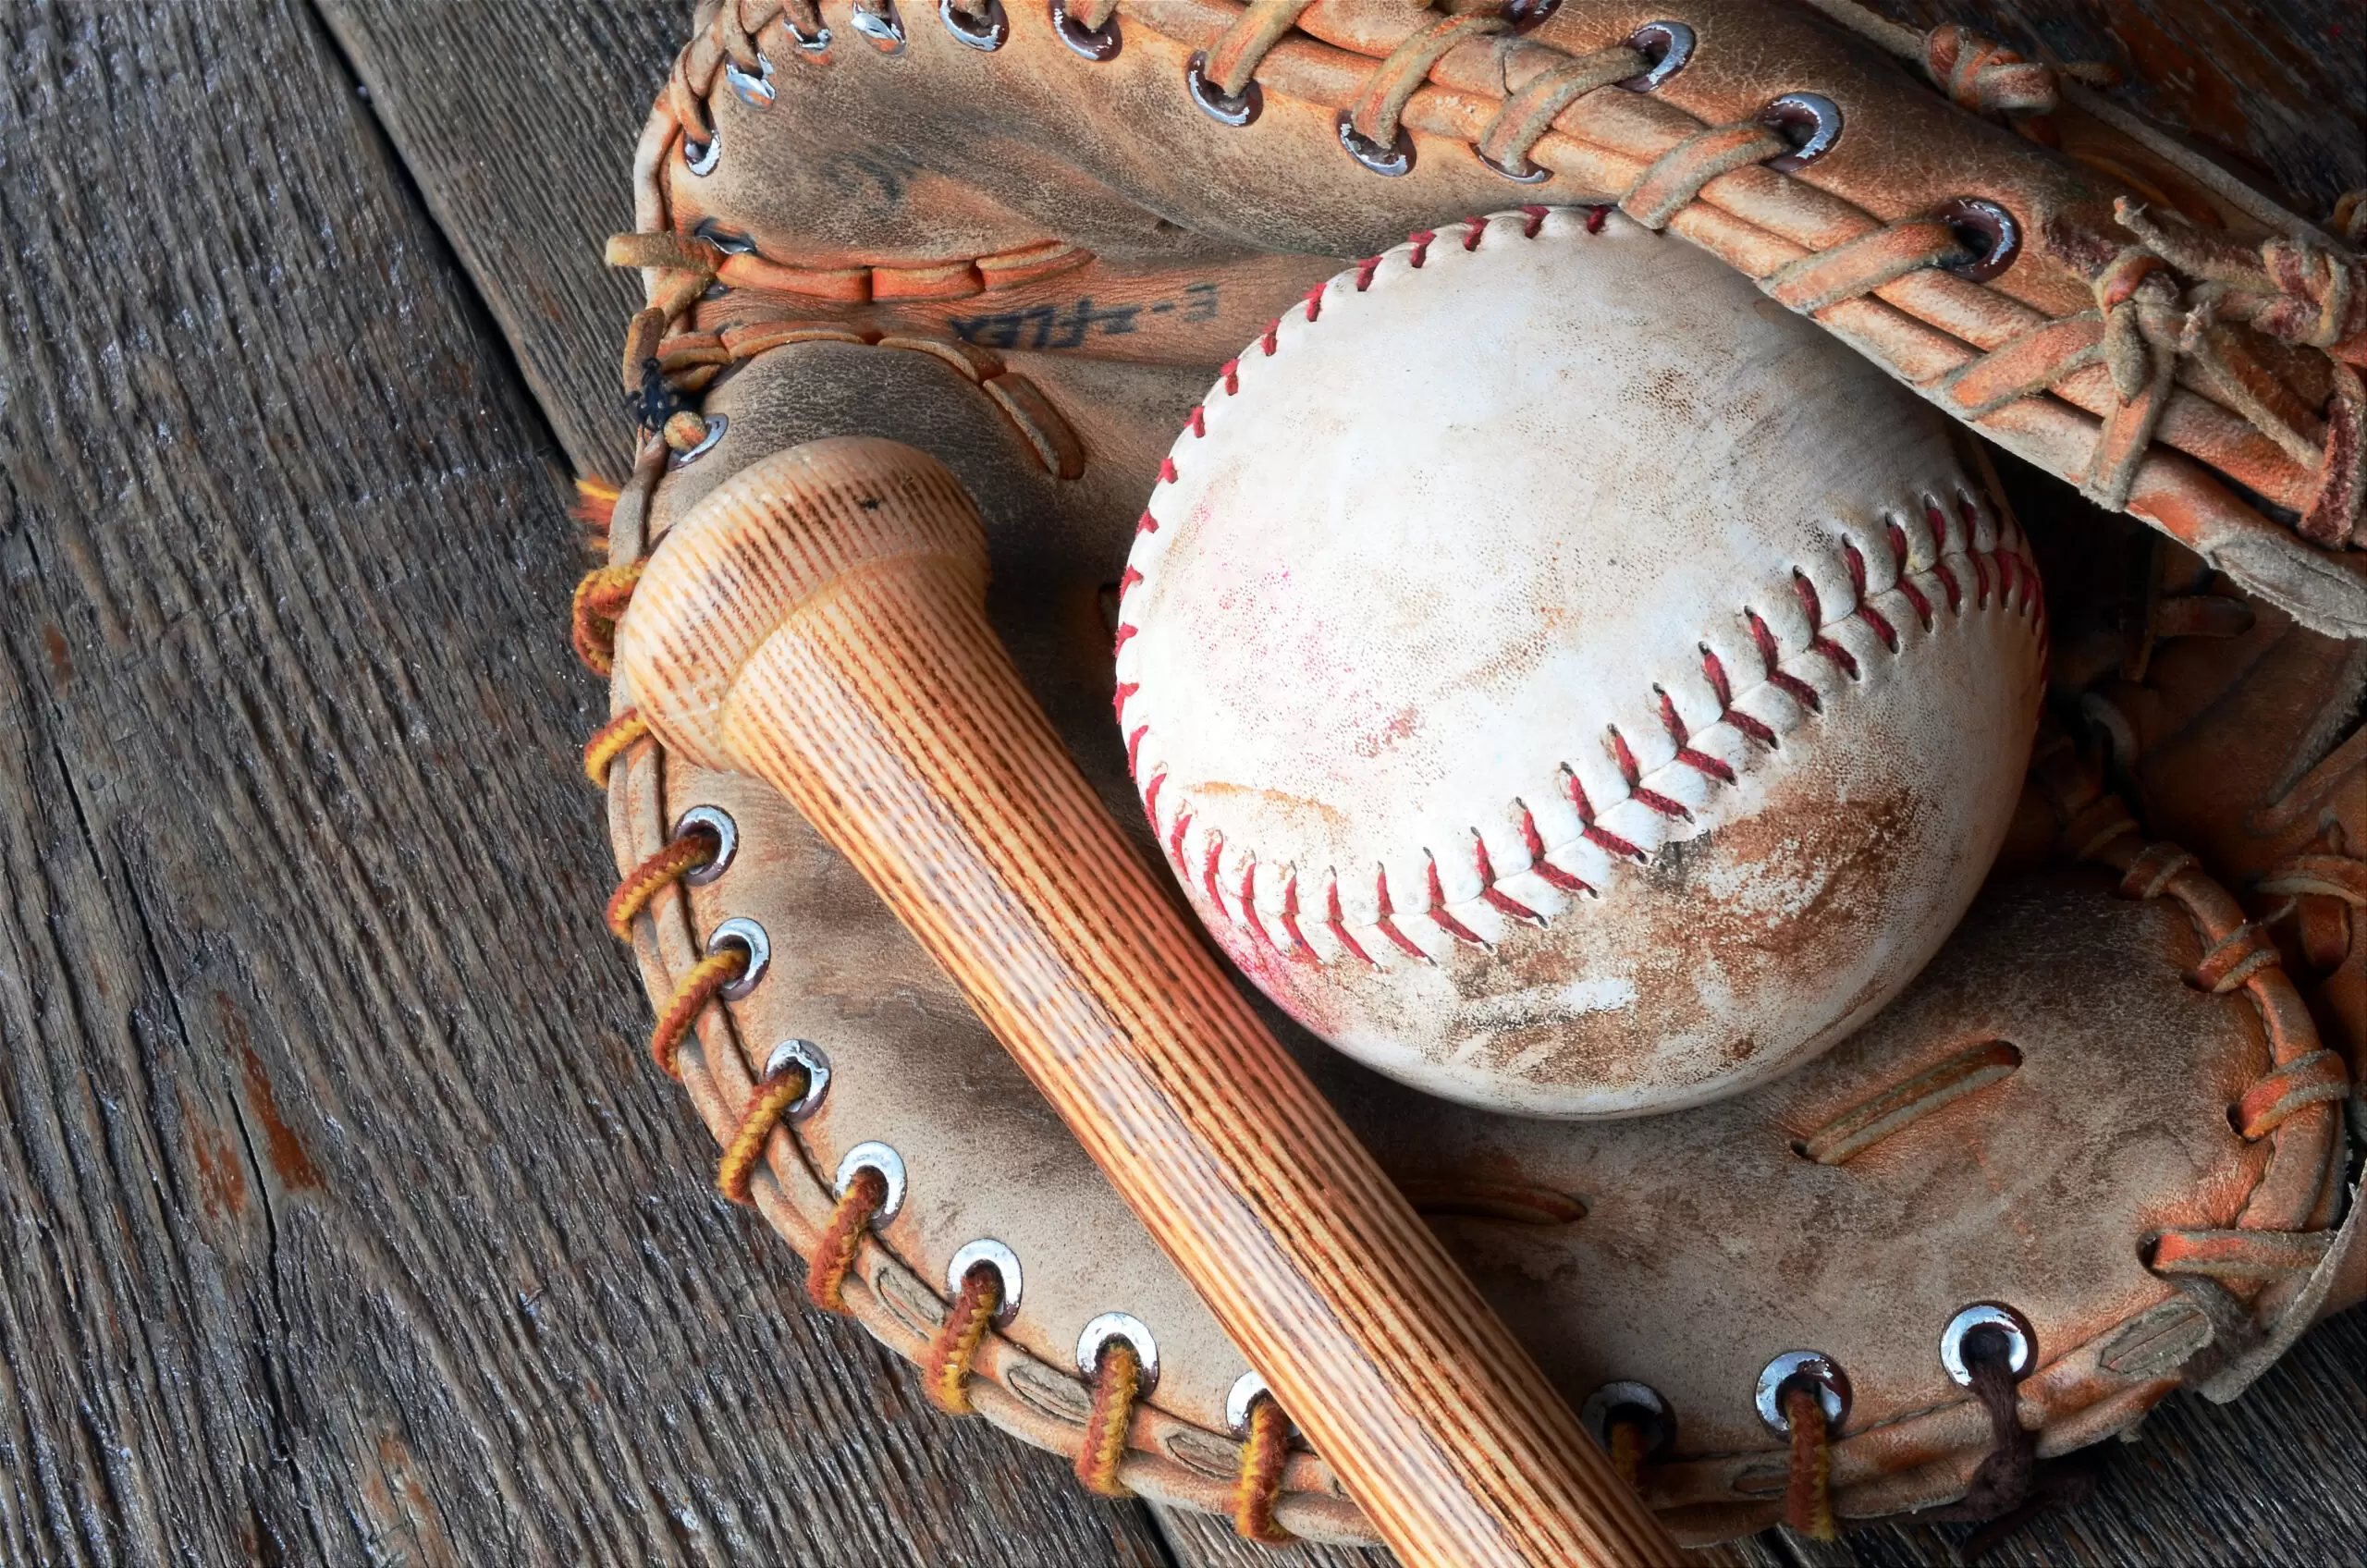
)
(757, 91)
(717, 821)
(1536, 173)
(1244, 1393)
(805, 1054)
(746, 933)
(1117, 1326)
(816, 42)
(707, 154)
(1812, 123)
(1396, 159)
(1225, 108)
(1832, 1385)
(883, 29)
(985, 36)
(716, 425)
(1005, 1263)
(2021, 1339)
(1669, 46)
(729, 241)
(1093, 43)
(1990, 232)
(879, 1157)
(1660, 1427)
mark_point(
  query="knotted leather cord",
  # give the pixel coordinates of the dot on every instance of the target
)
(1117, 1386)
(610, 741)
(1257, 1487)
(767, 1103)
(1807, 1493)
(702, 985)
(945, 1366)
(1991, 81)
(693, 849)
(834, 1254)
(1528, 113)
(2011, 1485)
(2325, 891)
(1236, 55)
(600, 600)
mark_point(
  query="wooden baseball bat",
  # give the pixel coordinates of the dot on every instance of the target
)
(819, 622)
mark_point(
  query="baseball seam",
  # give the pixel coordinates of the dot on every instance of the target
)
(2002, 581)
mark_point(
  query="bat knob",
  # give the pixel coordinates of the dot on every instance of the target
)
(777, 545)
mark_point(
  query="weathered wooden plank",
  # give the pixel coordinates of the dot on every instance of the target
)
(345, 1226)
(1199, 1540)
(518, 119)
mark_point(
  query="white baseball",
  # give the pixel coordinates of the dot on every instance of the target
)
(1566, 680)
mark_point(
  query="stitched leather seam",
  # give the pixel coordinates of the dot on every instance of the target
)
(2002, 582)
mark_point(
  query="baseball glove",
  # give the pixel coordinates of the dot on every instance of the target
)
(2096, 1152)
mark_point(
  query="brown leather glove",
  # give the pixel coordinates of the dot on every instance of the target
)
(2095, 1153)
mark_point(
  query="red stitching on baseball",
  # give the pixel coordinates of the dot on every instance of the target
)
(1443, 921)
(1699, 762)
(1118, 708)
(1338, 927)
(1387, 926)
(1127, 631)
(1497, 898)
(1198, 424)
(1535, 842)
(2013, 573)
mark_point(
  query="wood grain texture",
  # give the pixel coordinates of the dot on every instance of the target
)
(819, 622)
(346, 1222)
(517, 120)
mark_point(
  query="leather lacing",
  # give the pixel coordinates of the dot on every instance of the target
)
(2155, 361)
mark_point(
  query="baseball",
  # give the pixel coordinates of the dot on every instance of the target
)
(1567, 681)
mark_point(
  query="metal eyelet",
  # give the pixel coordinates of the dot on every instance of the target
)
(1660, 1427)
(809, 1055)
(2021, 1340)
(1244, 1393)
(1536, 174)
(703, 161)
(883, 29)
(1811, 121)
(757, 91)
(816, 42)
(717, 821)
(1988, 230)
(1233, 109)
(716, 425)
(1831, 1387)
(746, 933)
(732, 242)
(1528, 15)
(1117, 1326)
(984, 36)
(1392, 161)
(1094, 44)
(890, 1166)
(1668, 45)
(1004, 1262)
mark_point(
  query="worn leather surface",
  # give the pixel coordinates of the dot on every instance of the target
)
(1424, 569)
(1679, 1250)
(941, 153)
(1703, 1239)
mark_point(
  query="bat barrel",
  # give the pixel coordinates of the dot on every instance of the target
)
(818, 621)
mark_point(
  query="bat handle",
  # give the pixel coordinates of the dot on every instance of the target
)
(818, 621)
